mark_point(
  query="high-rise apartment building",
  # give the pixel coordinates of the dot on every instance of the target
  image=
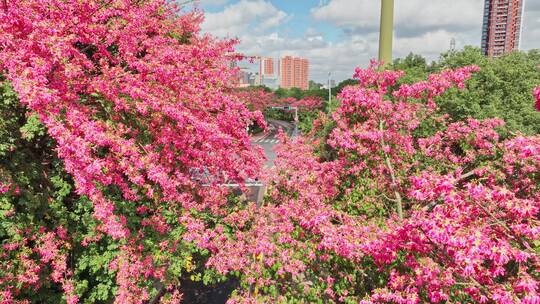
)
(303, 78)
(267, 66)
(285, 72)
(501, 30)
(294, 72)
(268, 76)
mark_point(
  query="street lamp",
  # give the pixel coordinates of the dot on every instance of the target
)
(329, 89)
(386, 31)
(187, 2)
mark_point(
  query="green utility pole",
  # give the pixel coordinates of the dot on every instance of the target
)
(387, 31)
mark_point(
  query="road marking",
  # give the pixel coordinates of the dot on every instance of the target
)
(267, 141)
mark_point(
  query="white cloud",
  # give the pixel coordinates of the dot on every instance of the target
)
(244, 16)
(422, 27)
(213, 2)
(340, 58)
(531, 26)
(418, 19)
(256, 25)
(409, 14)
(429, 44)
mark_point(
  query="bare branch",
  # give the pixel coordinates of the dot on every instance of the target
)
(398, 200)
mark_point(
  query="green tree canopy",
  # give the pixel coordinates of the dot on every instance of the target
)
(343, 84)
(502, 88)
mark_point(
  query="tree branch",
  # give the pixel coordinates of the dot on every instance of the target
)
(398, 200)
(161, 292)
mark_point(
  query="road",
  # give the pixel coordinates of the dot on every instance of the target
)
(269, 140)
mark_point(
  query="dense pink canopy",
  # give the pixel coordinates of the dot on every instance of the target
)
(135, 99)
(466, 204)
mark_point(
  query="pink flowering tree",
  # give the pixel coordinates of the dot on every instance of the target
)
(135, 101)
(255, 98)
(309, 103)
(113, 109)
(395, 205)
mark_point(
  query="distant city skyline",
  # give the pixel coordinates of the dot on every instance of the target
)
(284, 72)
(338, 35)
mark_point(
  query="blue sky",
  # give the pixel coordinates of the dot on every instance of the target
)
(296, 23)
(299, 11)
(338, 35)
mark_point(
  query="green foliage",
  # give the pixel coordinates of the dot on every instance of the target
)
(286, 93)
(321, 93)
(297, 93)
(314, 85)
(359, 200)
(279, 114)
(501, 89)
(262, 87)
(46, 199)
(416, 67)
(468, 56)
(324, 151)
(332, 105)
(8, 123)
(306, 119)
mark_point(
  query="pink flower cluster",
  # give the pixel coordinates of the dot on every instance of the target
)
(51, 248)
(373, 212)
(536, 93)
(135, 99)
(4, 187)
(256, 98)
(461, 205)
(308, 103)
